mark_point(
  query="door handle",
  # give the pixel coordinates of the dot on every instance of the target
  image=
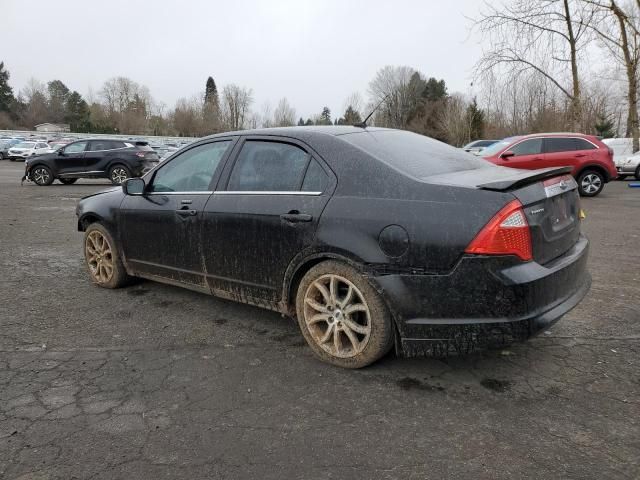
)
(186, 212)
(579, 155)
(296, 217)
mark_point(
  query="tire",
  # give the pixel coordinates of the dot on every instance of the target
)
(622, 177)
(102, 258)
(590, 183)
(68, 181)
(42, 176)
(118, 174)
(336, 336)
(1, 156)
(637, 174)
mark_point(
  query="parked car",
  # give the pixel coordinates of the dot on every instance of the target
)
(5, 145)
(627, 163)
(591, 161)
(24, 150)
(478, 146)
(114, 159)
(370, 237)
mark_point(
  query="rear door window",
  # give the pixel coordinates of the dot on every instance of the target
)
(99, 145)
(532, 146)
(582, 144)
(560, 144)
(315, 180)
(266, 166)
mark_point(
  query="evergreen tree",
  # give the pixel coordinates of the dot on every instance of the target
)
(351, 116)
(434, 89)
(325, 117)
(308, 122)
(77, 113)
(6, 92)
(605, 127)
(475, 120)
(211, 92)
(301, 122)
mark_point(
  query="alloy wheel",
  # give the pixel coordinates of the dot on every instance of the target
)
(41, 176)
(99, 257)
(591, 183)
(337, 316)
(119, 175)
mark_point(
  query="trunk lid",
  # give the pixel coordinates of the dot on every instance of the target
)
(549, 198)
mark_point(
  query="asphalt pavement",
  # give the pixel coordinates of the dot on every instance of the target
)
(153, 381)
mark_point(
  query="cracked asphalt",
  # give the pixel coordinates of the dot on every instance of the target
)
(154, 381)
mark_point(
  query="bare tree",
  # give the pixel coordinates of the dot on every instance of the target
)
(617, 26)
(284, 115)
(356, 102)
(393, 87)
(235, 106)
(545, 36)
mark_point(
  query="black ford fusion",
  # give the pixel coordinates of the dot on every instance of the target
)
(114, 159)
(372, 238)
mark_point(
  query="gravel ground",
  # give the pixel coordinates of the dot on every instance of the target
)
(154, 381)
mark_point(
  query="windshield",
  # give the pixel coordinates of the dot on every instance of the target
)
(25, 145)
(413, 154)
(496, 147)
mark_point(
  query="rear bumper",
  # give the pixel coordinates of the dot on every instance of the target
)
(487, 292)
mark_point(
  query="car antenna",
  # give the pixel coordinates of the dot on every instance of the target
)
(363, 124)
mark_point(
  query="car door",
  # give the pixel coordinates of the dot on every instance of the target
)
(95, 154)
(562, 152)
(527, 154)
(160, 230)
(268, 213)
(70, 159)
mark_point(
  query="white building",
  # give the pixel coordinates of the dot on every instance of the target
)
(53, 128)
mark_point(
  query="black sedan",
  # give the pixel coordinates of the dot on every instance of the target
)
(371, 238)
(114, 159)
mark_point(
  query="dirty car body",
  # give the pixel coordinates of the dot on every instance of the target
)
(409, 213)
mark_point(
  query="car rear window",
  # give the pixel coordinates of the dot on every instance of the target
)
(412, 154)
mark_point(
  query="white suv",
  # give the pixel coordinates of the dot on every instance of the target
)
(627, 163)
(24, 150)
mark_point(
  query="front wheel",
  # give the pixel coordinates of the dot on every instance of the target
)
(342, 317)
(1, 156)
(637, 174)
(103, 259)
(590, 183)
(118, 174)
(42, 176)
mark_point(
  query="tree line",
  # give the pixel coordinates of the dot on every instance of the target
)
(548, 65)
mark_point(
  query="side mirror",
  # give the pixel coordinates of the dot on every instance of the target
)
(133, 186)
(61, 151)
(507, 154)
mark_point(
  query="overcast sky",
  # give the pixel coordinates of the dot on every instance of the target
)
(313, 52)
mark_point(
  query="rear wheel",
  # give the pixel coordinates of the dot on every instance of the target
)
(637, 174)
(68, 181)
(42, 176)
(343, 319)
(103, 259)
(590, 183)
(1, 156)
(118, 174)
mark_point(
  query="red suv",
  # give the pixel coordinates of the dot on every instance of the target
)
(591, 160)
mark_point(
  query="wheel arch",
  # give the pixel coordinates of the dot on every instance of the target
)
(87, 219)
(303, 263)
(599, 168)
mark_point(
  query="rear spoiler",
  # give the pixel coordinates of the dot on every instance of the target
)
(524, 177)
(495, 178)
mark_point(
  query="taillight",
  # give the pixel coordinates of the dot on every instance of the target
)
(506, 234)
(140, 154)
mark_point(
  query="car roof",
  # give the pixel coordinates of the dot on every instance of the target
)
(296, 132)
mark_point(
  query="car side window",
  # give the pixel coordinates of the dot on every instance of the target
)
(191, 171)
(98, 145)
(75, 147)
(315, 180)
(264, 166)
(560, 144)
(582, 144)
(528, 147)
